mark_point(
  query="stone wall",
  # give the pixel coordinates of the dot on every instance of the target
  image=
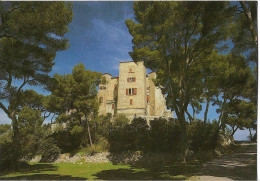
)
(109, 95)
(103, 93)
(160, 103)
(152, 76)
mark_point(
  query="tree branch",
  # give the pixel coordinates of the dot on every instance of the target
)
(5, 109)
(23, 84)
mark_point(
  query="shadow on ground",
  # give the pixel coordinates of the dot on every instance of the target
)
(156, 171)
(238, 166)
(44, 177)
(25, 168)
(35, 170)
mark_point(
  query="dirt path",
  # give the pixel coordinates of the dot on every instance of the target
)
(238, 166)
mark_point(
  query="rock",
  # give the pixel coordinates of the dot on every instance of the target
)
(36, 158)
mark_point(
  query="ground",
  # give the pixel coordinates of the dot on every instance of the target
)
(237, 166)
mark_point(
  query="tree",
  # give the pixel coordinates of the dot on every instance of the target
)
(30, 35)
(31, 131)
(76, 98)
(174, 39)
(39, 102)
(241, 114)
(231, 79)
(244, 30)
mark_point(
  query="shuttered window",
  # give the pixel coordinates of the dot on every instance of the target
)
(113, 106)
(131, 101)
(131, 91)
(131, 79)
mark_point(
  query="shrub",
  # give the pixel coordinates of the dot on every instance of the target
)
(203, 136)
(49, 150)
(164, 135)
(6, 155)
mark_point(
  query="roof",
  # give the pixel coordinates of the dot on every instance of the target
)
(127, 62)
(107, 73)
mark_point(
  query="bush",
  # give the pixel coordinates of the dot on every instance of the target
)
(129, 137)
(101, 146)
(49, 150)
(63, 140)
(6, 155)
(203, 136)
(164, 135)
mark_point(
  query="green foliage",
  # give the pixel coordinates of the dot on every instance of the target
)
(164, 136)
(7, 155)
(27, 53)
(30, 35)
(120, 120)
(30, 130)
(181, 42)
(101, 146)
(76, 94)
(101, 127)
(203, 136)
(49, 150)
(243, 30)
(5, 133)
(173, 39)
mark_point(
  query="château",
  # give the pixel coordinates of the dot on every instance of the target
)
(132, 93)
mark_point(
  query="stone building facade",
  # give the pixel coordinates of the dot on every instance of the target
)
(132, 93)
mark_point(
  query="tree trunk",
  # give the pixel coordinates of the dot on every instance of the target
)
(89, 135)
(206, 112)
(250, 134)
(234, 131)
(250, 21)
(194, 113)
(184, 145)
(16, 146)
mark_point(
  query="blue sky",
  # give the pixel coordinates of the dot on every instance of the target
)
(99, 38)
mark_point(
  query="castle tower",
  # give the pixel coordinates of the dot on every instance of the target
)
(132, 89)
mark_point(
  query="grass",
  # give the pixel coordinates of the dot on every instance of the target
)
(104, 171)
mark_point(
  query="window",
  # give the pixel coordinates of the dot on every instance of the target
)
(101, 100)
(113, 106)
(130, 69)
(131, 79)
(148, 99)
(131, 91)
(131, 101)
(102, 87)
